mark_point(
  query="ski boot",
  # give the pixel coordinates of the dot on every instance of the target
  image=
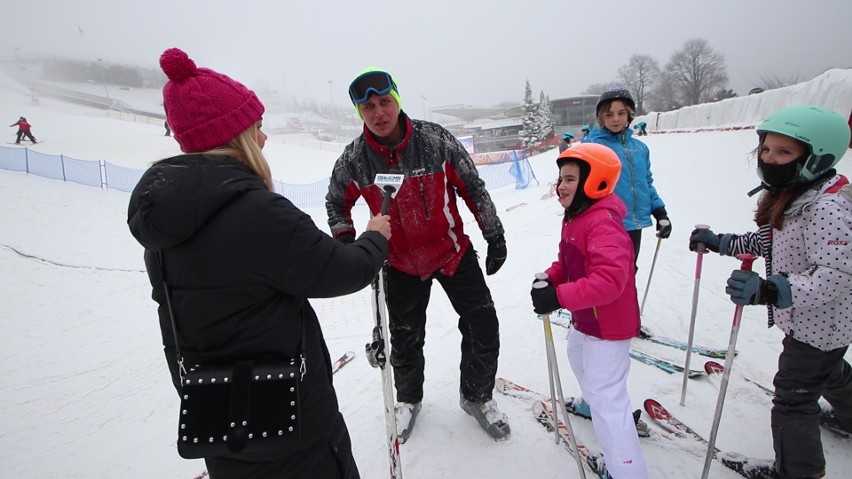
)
(581, 408)
(828, 419)
(489, 417)
(406, 415)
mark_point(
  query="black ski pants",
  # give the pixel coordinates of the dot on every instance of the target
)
(22, 134)
(804, 374)
(407, 299)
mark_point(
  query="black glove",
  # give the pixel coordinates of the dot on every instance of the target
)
(496, 255)
(346, 238)
(544, 300)
(664, 225)
(746, 287)
(708, 237)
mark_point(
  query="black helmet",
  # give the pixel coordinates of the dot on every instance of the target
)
(617, 93)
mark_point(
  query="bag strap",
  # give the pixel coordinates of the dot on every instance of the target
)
(181, 368)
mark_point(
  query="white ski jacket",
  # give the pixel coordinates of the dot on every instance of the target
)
(814, 250)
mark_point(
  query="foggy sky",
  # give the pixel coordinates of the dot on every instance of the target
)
(450, 52)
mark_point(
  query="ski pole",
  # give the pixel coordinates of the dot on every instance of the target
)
(553, 376)
(379, 347)
(747, 260)
(650, 274)
(700, 249)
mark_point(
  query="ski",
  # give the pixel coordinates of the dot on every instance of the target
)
(665, 420)
(746, 466)
(543, 412)
(508, 388)
(648, 335)
(342, 361)
(710, 367)
(828, 420)
(563, 318)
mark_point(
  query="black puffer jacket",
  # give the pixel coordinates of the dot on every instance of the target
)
(241, 262)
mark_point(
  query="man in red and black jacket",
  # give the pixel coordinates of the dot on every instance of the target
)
(428, 243)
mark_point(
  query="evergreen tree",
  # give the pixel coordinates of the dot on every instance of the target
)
(529, 131)
(545, 118)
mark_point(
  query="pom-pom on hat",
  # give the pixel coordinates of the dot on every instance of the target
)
(204, 108)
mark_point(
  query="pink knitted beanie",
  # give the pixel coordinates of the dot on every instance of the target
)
(204, 108)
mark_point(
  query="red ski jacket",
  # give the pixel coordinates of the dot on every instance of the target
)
(22, 125)
(427, 233)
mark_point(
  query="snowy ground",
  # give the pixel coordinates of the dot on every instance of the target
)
(86, 391)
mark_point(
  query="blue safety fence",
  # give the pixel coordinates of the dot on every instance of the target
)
(106, 175)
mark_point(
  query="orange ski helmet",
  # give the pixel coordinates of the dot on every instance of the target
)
(605, 167)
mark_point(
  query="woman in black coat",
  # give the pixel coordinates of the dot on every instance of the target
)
(241, 262)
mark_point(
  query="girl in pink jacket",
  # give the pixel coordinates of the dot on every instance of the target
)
(593, 278)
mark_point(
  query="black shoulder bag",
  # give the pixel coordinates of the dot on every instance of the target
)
(244, 407)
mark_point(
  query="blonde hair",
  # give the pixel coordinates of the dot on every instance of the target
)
(244, 148)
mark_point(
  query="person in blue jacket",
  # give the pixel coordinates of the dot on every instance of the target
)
(641, 129)
(615, 110)
(586, 129)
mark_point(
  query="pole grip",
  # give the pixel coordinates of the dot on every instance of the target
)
(701, 248)
(747, 260)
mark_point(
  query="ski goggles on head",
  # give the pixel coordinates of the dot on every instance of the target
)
(370, 83)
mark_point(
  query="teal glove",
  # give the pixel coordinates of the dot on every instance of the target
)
(746, 287)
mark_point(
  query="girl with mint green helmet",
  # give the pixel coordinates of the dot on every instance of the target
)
(804, 235)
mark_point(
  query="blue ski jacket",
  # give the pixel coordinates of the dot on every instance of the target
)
(635, 186)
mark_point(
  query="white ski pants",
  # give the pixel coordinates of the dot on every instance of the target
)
(601, 368)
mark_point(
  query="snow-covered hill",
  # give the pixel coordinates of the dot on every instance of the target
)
(86, 391)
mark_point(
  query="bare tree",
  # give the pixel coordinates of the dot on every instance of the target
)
(598, 88)
(663, 97)
(697, 72)
(639, 75)
(771, 82)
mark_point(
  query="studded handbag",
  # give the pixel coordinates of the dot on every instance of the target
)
(242, 407)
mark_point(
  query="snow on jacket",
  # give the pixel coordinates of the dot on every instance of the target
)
(815, 250)
(635, 186)
(427, 228)
(241, 262)
(594, 275)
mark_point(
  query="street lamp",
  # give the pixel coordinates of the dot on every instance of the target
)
(331, 95)
(103, 79)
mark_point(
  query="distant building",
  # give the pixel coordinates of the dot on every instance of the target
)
(496, 129)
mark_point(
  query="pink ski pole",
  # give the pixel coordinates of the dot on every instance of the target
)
(747, 260)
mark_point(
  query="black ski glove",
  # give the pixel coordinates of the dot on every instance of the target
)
(747, 287)
(544, 300)
(496, 255)
(346, 238)
(664, 225)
